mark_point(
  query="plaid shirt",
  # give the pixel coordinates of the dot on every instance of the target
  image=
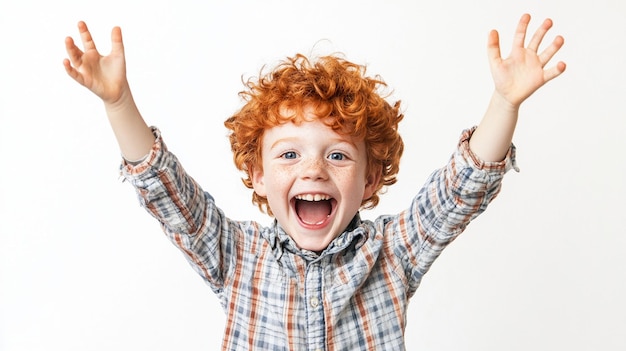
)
(352, 296)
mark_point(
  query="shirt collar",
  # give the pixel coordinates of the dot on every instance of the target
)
(351, 239)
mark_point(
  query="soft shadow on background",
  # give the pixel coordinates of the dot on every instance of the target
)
(82, 267)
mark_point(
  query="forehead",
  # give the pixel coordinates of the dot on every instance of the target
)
(310, 112)
(310, 131)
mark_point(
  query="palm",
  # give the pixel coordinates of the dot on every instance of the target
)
(105, 76)
(522, 73)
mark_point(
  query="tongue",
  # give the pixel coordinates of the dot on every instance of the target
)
(313, 212)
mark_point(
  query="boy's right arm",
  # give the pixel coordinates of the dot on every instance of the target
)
(188, 215)
(105, 76)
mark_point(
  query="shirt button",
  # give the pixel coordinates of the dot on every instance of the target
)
(314, 302)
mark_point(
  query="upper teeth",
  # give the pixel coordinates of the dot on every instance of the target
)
(311, 197)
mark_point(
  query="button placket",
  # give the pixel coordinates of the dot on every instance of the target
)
(316, 327)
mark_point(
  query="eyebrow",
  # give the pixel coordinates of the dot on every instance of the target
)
(296, 139)
(283, 140)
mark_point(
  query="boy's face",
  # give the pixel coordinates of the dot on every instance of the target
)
(314, 179)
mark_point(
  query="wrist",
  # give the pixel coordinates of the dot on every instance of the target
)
(123, 102)
(501, 103)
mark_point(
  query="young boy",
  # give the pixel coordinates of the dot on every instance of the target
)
(317, 143)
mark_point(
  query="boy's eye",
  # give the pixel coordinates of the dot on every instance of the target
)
(290, 155)
(337, 156)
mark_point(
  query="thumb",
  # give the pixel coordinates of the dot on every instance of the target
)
(493, 47)
(117, 45)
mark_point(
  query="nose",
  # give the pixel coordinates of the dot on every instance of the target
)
(314, 169)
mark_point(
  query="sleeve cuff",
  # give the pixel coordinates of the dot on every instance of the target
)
(136, 168)
(503, 166)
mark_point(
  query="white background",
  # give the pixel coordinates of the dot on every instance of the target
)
(82, 267)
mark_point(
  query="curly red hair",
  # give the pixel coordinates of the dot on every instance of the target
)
(347, 100)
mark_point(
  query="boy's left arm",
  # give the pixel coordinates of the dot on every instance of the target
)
(516, 78)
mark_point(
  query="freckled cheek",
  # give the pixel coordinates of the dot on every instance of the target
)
(281, 178)
(345, 176)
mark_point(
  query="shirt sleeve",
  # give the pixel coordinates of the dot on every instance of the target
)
(450, 199)
(187, 214)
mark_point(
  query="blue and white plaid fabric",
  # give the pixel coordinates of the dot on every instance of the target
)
(352, 296)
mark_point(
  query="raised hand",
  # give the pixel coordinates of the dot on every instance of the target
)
(523, 72)
(105, 76)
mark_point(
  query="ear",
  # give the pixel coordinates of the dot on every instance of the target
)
(258, 183)
(371, 183)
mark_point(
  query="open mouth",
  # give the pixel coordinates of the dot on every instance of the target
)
(314, 209)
